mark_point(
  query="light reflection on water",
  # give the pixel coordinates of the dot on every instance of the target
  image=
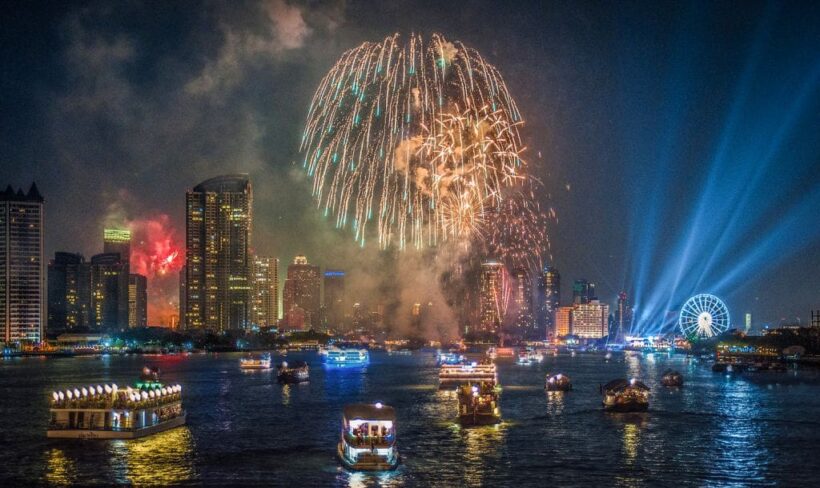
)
(60, 470)
(166, 458)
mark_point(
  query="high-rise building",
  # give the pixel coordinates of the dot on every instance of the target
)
(490, 296)
(549, 299)
(22, 281)
(563, 321)
(622, 319)
(69, 292)
(589, 320)
(334, 298)
(265, 291)
(303, 290)
(109, 291)
(118, 241)
(522, 301)
(583, 292)
(217, 260)
(182, 296)
(137, 301)
(748, 325)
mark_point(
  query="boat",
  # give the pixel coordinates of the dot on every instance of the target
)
(558, 382)
(671, 378)
(457, 374)
(368, 438)
(149, 376)
(625, 396)
(297, 373)
(346, 357)
(449, 358)
(478, 404)
(524, 359)
(260, 361)
(108, 412)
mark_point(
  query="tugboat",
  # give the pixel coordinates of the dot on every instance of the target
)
(297, 373)
(558, 382)
(368, 438)
(478, 404)
(346, 357)
(625, 396)
(107, 412)
(671, 378)
(261, 361)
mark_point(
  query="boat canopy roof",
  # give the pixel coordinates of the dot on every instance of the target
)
(622, 384)
(366, 411)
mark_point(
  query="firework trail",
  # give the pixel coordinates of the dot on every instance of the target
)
(415, 139)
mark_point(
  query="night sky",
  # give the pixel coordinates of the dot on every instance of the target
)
(679, 141)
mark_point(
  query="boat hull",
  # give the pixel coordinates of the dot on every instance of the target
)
(113, 434)
(367, 462)
(626, 407)
(288, 378)
(478, 419)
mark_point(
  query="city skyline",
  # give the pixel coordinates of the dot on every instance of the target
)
(682, 161)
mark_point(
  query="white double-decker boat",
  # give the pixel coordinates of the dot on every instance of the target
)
(454, 375)
(368, 439)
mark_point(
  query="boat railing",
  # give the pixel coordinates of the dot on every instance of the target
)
(363, 441)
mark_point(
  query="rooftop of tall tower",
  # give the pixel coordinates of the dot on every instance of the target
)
(300, 259)
(33, 195)
(225, 183)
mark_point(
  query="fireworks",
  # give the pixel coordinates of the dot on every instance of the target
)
(417, 140)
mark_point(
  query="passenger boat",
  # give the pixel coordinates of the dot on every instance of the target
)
(297, 373)
(625, 396)
(368, 438)
(529, 356)
(260, 361)
(346, 357)
(107, 412)
(524, 359)
(457, 374)
(671, 378)
(478, 404)
(449, 358)
(558, 382)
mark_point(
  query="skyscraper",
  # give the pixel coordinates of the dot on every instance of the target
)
(334, 299)
(69, 292)
(217, 260)
(137, 301)
(22, 284)
(302, 290)
(109, 291)
(490, 296)
(583, 292)
(622, 321)
(589, 320)
(118, 241)
(522, 300)
(563, 321)
(549, 299)
(265, 291)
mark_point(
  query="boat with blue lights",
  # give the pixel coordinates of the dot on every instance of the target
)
(368, 438)
(108, 412)
(449, 358)
(255, 361)
(346, 357)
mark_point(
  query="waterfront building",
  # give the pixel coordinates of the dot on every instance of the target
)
(490, 296)
(109, 291)
(69, 292)
(522, 301)
(583, 292)
(302, 289)
(217, 260)
(22, 281)
(118, 241)
(549, 299)
(182, 296)
(265, 310)
(563, 321)
(334, 298)
(137, 301)
(748, 325)
(622, 319)
(589, 320)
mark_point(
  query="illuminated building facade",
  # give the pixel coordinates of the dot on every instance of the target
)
(563, 321)
(69, 292)
(622, 319)
(118, 241)
(109, 291)
(583, 292)
(137, 301)
(334, 298)
(589, 320)
(549, 299)
(490, 296)
(748, 324)
(265, 310)
(22, 281)
(218, 218)
(522, 301)
(302, 289)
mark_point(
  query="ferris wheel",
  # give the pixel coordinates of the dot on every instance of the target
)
(703, 315)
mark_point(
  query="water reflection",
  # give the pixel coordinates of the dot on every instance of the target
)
(481, 448)
(363, 480)
(166, 458)
(555, 402)
(60, 470)
(286, 394)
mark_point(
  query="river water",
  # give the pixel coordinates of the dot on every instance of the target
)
(243, 428)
